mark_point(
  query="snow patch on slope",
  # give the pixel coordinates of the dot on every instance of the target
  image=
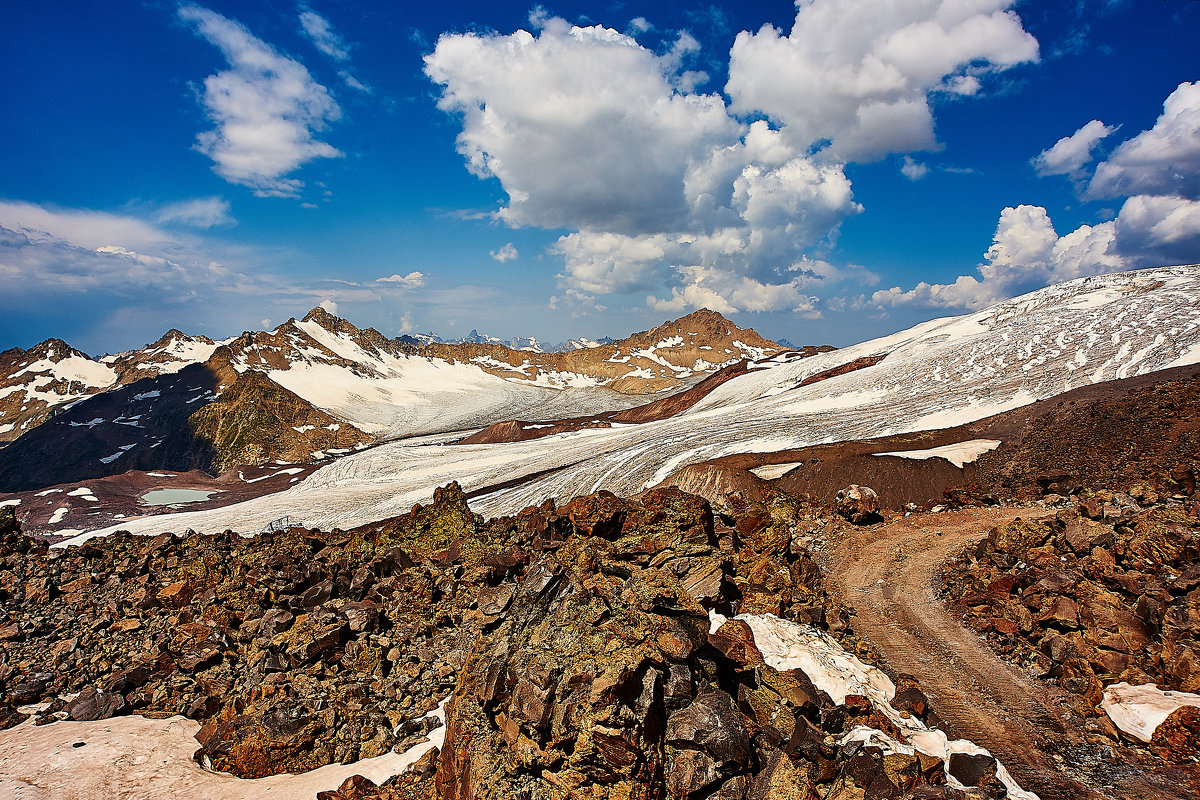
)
(1139, 710)
(788, 645)
(155, 758)
(958, 454)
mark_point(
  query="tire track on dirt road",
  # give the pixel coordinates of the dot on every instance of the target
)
(888, 575)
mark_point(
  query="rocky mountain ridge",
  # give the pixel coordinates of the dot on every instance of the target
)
(307, 391)
(513, 343)
(660, 359)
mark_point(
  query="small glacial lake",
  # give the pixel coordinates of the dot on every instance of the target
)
(171, 497)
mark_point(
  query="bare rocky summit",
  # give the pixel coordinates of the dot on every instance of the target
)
(661, 359)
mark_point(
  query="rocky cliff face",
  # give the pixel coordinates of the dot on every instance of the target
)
(255, 421)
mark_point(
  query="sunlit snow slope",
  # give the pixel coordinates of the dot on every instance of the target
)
(368, 383)
(941, 373)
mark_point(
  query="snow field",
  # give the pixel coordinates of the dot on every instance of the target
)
(941, 373)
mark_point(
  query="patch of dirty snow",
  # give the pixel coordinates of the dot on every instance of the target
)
(770, 472)
(58, 515)
(120, 452)
(137, 758)
(15, 502)
(788, 645)
(1139, 710)
(958, 454)
(82, 490)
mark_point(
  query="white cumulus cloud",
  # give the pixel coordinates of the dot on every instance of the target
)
(580, 125)
(857, 74)
(728, 292)
(1071, 154)
(1026, 254)
(1164, 160)
(267, 109)
(668, 190)
(1153, 230)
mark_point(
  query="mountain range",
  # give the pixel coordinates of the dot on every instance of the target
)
(315, 389)
(533, 426)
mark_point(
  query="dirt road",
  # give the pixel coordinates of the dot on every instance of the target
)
(887, 575)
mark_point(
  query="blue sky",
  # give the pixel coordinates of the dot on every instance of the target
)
(824, 172)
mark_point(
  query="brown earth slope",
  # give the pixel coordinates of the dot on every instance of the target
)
(1108, 434)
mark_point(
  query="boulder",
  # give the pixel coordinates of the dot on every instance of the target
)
(857, 504)
(973, 769)
(1177, 738)
(93, 704)
(713, 724)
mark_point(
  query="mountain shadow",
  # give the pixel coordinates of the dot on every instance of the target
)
(141, 426)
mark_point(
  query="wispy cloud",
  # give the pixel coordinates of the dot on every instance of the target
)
(54, 257)
(912, 169)
(410, 281)
(322, 35)
(325, 38)
(267, 109)
(201, 212)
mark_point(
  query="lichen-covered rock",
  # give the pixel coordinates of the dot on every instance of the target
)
(1178, 736)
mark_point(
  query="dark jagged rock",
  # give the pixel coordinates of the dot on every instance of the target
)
(92, 704)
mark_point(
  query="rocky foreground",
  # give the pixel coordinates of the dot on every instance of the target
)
(586, 647)
(1103, 593)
